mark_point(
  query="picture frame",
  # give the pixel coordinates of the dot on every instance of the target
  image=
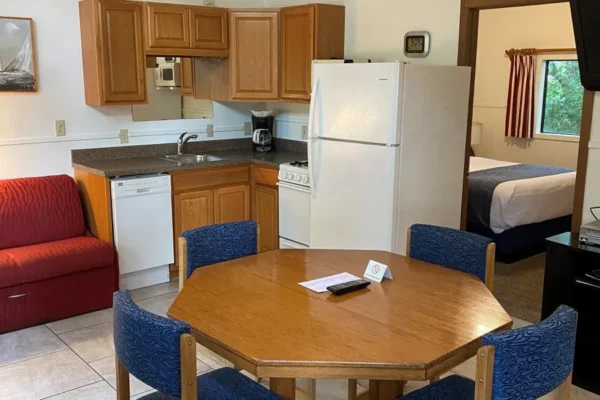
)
(18, 64)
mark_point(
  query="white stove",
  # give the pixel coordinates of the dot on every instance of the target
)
(294, 205)
(295, 173)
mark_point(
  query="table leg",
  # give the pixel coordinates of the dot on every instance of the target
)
(284, 387)
(385, 390)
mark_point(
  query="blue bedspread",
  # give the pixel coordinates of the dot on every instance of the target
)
(483, 183)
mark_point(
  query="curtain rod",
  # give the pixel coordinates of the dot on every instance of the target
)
(548, 51)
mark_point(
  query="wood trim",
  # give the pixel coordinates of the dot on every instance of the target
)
(490, 266)
(467, 56)
(484, 373)
(122, 380)
(284, 387)
(189, 383)
(182, 261)
(490, 4)
(563, 392)
(582, 160)
(97, 205)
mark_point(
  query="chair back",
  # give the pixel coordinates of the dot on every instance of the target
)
(450, 248)
(218, 243)
(148, 345)
(533, 361)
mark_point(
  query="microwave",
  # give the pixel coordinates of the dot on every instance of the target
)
(167, 72)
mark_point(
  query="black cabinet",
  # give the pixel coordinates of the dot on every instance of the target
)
(569, 280)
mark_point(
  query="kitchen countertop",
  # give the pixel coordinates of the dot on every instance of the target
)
(154, 164)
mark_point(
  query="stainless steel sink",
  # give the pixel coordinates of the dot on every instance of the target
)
(191, 158)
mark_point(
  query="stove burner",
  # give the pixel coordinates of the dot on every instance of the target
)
(299, 164)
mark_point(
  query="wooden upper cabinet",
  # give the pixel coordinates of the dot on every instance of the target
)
(113, 52)
(307, 33)
(167, 25)
(254, 54)
(232, 204)
(209, 28)
(187, 76)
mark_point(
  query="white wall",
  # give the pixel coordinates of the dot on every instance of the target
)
(547, 26)
(27, 143)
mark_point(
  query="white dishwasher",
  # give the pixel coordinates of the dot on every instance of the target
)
(143, 229)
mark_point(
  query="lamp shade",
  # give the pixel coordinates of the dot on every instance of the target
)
(476, 133)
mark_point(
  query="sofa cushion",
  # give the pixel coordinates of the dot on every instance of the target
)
(38, 262)
(39, 210)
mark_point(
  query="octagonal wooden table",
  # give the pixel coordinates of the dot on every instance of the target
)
(253, 312)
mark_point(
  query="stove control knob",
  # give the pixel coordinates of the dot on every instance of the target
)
(297, 178)
(305, 179)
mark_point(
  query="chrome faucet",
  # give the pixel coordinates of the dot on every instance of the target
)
(183, 140)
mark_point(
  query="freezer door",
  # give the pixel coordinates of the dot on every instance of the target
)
(356, 102)
(352, 206)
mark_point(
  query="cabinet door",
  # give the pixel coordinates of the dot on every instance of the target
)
(168, 26)
(187, 76)
(121, 52)
(254, 55)
(266, 212)
(297, 35)
(191, 210)
(232, 204)
(210, 28)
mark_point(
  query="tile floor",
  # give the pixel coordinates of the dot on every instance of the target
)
(74, 359)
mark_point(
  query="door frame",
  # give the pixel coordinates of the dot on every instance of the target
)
(467, 56)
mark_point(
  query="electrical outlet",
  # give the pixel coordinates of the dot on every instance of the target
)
(124, 136)
(304, 132)
(60, 129)
(247, 128)
(210, 130)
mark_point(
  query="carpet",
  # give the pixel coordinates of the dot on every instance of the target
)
(519, 287)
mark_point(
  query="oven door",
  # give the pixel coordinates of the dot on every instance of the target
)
(294, 213)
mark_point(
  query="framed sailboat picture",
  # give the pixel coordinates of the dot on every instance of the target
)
(17, 55)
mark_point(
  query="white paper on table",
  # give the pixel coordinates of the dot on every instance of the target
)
(320, 285)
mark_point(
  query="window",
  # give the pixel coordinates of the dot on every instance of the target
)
(560, 98)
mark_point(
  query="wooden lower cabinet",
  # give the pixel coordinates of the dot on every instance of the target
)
(232, 204)
(193, 210)
(266, 214)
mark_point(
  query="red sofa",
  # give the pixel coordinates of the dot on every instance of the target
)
(50, 267)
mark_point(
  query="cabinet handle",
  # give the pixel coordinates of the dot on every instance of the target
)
(16, 296)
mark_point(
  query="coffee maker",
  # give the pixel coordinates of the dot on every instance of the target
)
(263, 140)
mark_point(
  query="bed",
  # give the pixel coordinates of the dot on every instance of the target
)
(519, 205)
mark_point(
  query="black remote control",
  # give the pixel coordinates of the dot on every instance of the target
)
(348, 287)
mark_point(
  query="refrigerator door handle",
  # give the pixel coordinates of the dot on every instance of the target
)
(312, 139)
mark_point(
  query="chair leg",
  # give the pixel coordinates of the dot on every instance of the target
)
(352, 389)
(312, 389)
(564, 390)
(122, 380)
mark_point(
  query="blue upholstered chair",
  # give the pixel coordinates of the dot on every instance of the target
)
(451, 248)
(162, 353)
(214, 244)
(525, 363)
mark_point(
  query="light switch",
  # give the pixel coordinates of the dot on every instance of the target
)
(210, 130)
(247, 128)
(60, 128)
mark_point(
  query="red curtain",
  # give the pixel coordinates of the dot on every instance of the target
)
(520, 107)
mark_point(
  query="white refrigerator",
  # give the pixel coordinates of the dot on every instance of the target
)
(386, 149)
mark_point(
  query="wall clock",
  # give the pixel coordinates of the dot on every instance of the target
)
(416, 44)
